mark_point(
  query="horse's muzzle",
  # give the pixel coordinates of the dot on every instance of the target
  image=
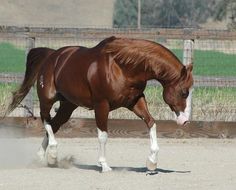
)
(182, 119)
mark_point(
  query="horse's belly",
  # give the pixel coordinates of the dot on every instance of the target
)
(79, 99)
(75, 91)
(127, 100)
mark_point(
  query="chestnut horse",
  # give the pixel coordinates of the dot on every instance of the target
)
(111, 75)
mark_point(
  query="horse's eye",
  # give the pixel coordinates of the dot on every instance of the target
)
(185, 94)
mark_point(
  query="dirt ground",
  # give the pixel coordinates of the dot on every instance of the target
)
(183, 164)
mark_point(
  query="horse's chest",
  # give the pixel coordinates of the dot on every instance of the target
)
(133, 93)
(128, 97)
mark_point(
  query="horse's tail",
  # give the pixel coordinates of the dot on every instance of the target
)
(35, 60)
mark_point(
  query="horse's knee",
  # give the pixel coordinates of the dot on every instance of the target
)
(45, 117)
(150, 122)
(102, 136)
(45, 111)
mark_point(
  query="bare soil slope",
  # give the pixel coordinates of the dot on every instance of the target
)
(70, 13)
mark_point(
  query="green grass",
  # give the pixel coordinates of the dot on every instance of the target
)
(201, 95)
(215, 63)
(208, 103)
(217, 94)
(5, 96)
(211, 63)
(12, 59)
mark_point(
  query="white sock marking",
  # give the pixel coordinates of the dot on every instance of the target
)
(102, 138)
(153, 144)
(51, 141)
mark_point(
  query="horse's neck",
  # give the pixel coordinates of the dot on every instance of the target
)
(166, 74)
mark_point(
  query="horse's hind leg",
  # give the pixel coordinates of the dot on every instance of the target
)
(47, 97)
(49, 145)
(62, 116)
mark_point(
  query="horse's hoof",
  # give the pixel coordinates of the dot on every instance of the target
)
(54, 165)
(150, 165)
(52, 156)
(66, 162)
(106, 169)
(41, 154)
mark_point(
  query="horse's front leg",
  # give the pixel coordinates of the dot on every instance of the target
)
(141, 110)
(152, 158)
(102, 138)
(101, 114)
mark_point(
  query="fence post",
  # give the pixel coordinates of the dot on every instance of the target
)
(187, 59)
(28, 100)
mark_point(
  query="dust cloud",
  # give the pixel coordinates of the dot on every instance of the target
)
(15, 150)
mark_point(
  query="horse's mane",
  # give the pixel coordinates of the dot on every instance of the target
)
(136, 52)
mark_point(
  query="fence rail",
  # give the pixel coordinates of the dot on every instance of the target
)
(199, 81)
(94, 33)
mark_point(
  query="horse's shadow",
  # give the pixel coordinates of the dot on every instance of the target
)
(132, 169)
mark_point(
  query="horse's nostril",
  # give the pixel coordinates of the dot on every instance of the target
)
(182, 119)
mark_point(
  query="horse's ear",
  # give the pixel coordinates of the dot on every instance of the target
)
(186, 70)
(183, 72)
(189, 67)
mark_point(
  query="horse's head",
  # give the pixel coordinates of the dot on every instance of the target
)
(176, 95)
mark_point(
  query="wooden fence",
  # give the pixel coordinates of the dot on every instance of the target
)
(95, 33)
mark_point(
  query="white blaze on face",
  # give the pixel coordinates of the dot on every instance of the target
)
(184, 117)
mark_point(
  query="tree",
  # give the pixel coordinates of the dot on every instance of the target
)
(224, 9)
(125, 13)
(164, 13)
